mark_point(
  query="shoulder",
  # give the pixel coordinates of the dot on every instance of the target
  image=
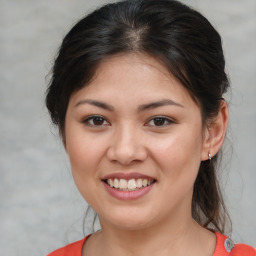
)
(243, 250)
(73, 249)
(226, 247)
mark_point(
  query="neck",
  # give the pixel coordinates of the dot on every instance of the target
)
(167, 238)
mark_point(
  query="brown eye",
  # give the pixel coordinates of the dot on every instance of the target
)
(96, 121)
(159, 121)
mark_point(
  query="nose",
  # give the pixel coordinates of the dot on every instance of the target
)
(127, 146)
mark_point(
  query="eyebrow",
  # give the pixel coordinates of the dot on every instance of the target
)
(144, 107)
(95, 103)
(160, 103)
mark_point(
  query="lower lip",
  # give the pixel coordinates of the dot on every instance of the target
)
(128, 195)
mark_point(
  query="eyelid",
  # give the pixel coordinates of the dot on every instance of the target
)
(90, 117)
(170, 121)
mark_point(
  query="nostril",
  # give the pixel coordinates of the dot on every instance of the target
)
(126, 155)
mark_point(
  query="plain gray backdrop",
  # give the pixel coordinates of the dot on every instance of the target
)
(40, 208)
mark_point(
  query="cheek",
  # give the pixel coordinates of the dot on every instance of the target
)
(179, 154)
(85, 157)
(84, 153)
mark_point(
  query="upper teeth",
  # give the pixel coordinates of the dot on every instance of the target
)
(131, 184)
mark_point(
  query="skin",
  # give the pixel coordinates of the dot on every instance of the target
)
(127, 139)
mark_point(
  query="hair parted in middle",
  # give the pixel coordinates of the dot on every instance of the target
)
(174, 34)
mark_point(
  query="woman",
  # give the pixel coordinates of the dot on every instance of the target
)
(137, 94)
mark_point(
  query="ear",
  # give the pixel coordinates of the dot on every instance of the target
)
(215, 133)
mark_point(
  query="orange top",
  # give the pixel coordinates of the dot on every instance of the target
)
(224, 247)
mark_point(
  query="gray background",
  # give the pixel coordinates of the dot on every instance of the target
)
(40, 208)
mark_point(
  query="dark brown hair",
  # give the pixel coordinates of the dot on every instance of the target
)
(169, 31)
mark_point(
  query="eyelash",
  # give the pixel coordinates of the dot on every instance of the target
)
(93, 118)
(164, 121)
(167, 121)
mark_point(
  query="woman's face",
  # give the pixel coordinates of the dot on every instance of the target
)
(135, 141)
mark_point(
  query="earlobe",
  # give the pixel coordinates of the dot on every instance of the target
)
(216, 132)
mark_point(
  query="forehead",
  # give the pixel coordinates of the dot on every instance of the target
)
(137, 67)
(133, 77)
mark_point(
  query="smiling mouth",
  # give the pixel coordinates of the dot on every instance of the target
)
(129, 185)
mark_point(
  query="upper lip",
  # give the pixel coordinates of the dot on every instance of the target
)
(127, 176)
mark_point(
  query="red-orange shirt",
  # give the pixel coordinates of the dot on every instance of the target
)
(224, 247)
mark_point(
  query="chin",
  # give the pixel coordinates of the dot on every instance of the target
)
(130, 220)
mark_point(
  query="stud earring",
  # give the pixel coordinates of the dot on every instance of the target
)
(209, 156)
